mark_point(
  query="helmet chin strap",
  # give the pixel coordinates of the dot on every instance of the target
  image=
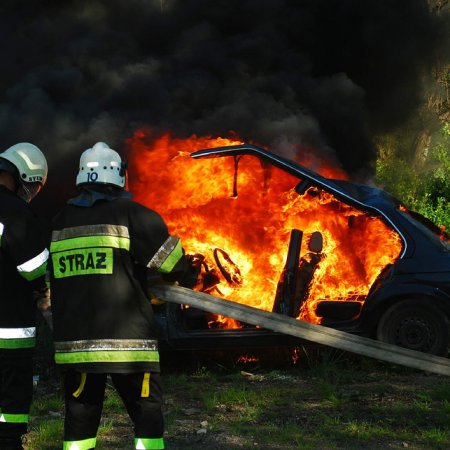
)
(123, 168)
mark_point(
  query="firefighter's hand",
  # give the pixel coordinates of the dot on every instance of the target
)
(42, 298)
(154, 300)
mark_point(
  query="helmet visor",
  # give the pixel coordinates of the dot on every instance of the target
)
(28, 191)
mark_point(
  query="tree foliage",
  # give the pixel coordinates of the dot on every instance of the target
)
(424, 188)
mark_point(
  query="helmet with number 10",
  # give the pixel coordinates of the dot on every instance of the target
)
(101, 165)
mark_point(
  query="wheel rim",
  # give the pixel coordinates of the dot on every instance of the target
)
(415, 333)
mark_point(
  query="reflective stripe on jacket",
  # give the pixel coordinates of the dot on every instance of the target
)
(23, 262)
(103, 319)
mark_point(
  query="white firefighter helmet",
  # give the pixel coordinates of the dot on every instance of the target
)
(101, 165)
(31, 168)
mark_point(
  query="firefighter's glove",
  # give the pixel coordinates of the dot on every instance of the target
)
(42, 298)
(154, 300)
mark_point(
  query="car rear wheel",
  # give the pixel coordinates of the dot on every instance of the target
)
(415, 325)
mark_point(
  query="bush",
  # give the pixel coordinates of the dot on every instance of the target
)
(425, 189)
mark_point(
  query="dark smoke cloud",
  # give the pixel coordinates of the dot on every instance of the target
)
(322, 74)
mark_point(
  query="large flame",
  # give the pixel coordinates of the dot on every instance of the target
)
(243, 222)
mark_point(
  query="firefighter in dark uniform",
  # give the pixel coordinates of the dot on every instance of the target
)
(23, 260)
(103, 245)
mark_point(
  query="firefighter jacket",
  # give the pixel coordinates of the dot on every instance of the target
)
(101, 251)
(23, 260)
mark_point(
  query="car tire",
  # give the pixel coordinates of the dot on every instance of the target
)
(415, 325)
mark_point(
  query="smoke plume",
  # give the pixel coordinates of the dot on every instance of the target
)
(287, 74)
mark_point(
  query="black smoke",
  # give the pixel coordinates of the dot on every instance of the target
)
(287, 74)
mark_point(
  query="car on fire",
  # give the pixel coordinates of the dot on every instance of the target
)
(407, 300)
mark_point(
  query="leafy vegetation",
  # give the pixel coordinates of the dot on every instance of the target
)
(421, 182)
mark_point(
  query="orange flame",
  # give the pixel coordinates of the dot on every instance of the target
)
(295, 355)
(247, 359)
(249, 233)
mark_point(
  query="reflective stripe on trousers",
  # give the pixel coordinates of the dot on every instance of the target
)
(13, 418)
(149, 444)
(84, 444)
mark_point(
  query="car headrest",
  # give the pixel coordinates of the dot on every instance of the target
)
(315, 243)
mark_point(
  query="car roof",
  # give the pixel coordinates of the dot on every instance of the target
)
(362, 196)
(370, 197)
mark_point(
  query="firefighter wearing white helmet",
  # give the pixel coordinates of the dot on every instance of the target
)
(23, 260)
(100, 164)
(103, 245)
(28, 166)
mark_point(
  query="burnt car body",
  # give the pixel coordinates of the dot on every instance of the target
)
(407, 305)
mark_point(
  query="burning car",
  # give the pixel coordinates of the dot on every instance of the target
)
(266, 231)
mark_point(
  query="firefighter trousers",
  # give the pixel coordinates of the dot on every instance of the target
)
(16, 390)
(84, 394)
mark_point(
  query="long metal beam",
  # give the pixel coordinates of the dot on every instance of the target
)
(316, 333)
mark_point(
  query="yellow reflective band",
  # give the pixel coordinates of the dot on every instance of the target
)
(2, 227)
(34, 263)
(93, 345)
(84, 444)
(13, 418)
(149, 443)
(17, 333)
(78, 392)
(90, 241)
(18, 343)
(174, 256)
(145, 390)
(167, 255)
(101, 229)
(107, 356)
(15, 338)
(35, 267)
(83, 262)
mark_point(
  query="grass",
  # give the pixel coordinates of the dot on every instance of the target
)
(46, 435)
(341, 402)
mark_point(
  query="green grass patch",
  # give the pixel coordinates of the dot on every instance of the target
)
(112, 402)
(46, 435)
(341, 404)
